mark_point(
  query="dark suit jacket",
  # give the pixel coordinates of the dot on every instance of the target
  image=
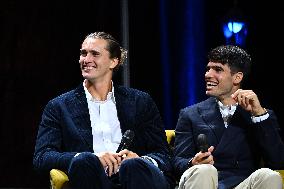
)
(238, 148)
(65, 128)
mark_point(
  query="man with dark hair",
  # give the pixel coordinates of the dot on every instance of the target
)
(239, 131)
(81, 130)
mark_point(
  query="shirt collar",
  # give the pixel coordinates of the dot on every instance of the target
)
(110, 95)
(227, 110)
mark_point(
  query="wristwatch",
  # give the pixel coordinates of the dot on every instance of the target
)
(149, 159)
(189, 163)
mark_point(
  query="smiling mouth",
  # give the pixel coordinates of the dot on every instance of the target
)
(87, 68)
(210, 85)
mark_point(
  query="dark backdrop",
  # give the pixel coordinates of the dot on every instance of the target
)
(39, 51)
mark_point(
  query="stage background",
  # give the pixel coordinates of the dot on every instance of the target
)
(168, 43)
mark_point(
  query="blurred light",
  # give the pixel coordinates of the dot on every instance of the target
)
(235, 27)
(227, 32)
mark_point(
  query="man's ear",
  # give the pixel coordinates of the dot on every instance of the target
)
(114, 63)
(238, 77)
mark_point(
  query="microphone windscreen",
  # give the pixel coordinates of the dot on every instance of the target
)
(126, 140)
(202, 143)
(128, 135)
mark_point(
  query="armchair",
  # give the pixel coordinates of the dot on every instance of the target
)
(59, 180)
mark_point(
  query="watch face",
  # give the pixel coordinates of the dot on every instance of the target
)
(189, 163)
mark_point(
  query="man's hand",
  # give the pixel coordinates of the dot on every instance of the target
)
(248, 100)
(110, 161)
(127, 154)
(203, 158)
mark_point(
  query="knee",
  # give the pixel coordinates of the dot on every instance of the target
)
(130, 164)
(81, 161)
(127, 166)
(268, 175)
(199, 176)
(205, 169)
(202, 170)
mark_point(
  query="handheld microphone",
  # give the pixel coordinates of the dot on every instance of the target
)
(202, 143)
(126, 140)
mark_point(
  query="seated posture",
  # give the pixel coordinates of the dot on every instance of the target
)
(238, 132)
(82, 132)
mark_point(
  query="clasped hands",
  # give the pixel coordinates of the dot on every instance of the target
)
(112, 161)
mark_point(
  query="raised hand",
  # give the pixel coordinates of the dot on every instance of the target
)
(249, 101)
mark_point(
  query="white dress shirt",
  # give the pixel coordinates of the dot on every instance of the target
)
(104, 122)
(229, 110)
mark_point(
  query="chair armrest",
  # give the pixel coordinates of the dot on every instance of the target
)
(282, 175)
(170, 136)
(58, 179)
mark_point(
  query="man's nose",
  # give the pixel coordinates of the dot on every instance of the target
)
(209, 72)
(88, 58)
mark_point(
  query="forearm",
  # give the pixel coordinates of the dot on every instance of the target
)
(46, 160)
(271, 144)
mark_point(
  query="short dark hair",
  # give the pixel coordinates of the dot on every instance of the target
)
(237, 58)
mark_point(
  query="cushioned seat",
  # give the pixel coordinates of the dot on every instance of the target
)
(59, 180)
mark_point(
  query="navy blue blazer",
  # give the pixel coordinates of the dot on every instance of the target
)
(238, 148)
(65, 128)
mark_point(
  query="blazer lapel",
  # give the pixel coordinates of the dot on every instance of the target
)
(126, 111)
(212, 117)
(78, 108)
(238, 123)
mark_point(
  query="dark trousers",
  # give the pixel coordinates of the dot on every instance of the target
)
(86, 172)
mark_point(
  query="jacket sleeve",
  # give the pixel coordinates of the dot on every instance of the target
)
(151, 133)
(270, 142)
(48, 153)
(184, 144)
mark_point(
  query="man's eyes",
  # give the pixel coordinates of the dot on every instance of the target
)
(95, 53)
(84, 53)
(217, 69)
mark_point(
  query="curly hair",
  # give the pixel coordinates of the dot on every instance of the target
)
(237, 58)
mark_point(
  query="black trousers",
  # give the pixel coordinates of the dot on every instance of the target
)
(86, 172)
